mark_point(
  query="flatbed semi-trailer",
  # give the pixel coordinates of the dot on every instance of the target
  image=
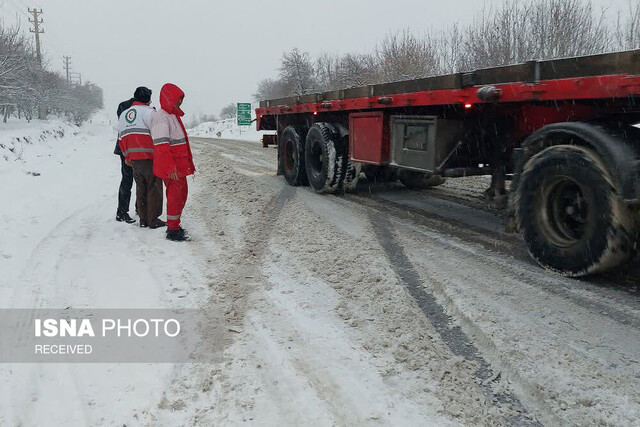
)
(562, 130)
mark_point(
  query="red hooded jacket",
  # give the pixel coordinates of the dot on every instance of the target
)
(172, 152)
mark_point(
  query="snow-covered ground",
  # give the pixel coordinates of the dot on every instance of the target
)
(61, 247)
(292, 361)
(335, 312)
(228, 129)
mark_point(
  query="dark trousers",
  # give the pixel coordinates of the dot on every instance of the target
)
(126, 183)
(148, 191)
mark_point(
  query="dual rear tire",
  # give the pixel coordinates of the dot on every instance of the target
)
(570, 214)
(291, 156)
(318, 158)
(326, 158)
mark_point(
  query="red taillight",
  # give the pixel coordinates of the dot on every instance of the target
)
(315, 113)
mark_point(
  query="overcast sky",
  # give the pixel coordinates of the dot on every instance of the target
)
(217, 50)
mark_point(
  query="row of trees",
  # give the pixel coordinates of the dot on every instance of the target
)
(515, 32)
(195, 120)
(227, 112)
(27, 88)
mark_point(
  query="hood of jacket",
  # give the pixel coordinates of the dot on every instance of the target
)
(169, 95)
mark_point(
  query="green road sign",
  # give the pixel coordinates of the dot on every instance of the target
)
(244, 114)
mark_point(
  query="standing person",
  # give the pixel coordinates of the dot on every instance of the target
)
(126, 182)
(134, 133)
(173, 161)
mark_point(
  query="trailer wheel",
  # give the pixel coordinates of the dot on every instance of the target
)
(570, 214)
(325, 157)
(352, 176)
(291, 156)
(419, 180)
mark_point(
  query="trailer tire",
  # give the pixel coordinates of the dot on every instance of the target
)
(352, 176)
(572, 218)
(291, 156)
(419, 180)
(326, 158)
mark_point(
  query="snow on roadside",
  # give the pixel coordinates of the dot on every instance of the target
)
(42, 162)
(228, 129)
(61, 247)
(23, 144)
(322, 339)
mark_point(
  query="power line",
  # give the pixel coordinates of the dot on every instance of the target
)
(25, 4)
(18, 9)
(52, 40)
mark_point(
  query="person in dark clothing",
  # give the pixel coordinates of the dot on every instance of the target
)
(137, 147)
(126, 183)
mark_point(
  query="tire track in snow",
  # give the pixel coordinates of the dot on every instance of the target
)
(456, 339)
(612, 300)
(241, 265)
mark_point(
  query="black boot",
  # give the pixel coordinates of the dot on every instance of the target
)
(157, 223)
(124, 217)
(177, 235)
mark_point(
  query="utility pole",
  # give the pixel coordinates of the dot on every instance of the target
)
(67, 67)
(36, 21)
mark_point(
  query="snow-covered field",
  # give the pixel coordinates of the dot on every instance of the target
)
(334, 312)
(228, 129)
(61, 247)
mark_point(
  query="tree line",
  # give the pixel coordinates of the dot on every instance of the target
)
(227, 112)
(28, 89)
(515, 32)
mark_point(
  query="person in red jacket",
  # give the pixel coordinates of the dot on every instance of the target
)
(172, 159)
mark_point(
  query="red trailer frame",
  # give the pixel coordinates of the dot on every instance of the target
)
(496, 121)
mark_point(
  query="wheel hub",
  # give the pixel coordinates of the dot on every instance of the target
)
(317, 159)
(289, 159)
(566, 211)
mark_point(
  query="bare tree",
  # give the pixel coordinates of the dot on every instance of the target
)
(195, 120)
(450, 47)
(356, 70)
(297, 72)
(25, 85)
(628, 30)
(271, 89)
(405, 56)
(326, 72)
(538, 29)
(228, 112)
(514, 32)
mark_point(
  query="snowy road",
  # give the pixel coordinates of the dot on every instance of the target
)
(567, 350)
(385, 307)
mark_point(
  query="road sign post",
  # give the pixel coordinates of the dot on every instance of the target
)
(244, 114)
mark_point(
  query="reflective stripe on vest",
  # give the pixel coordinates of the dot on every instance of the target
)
(137, 131)
(138, 150)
